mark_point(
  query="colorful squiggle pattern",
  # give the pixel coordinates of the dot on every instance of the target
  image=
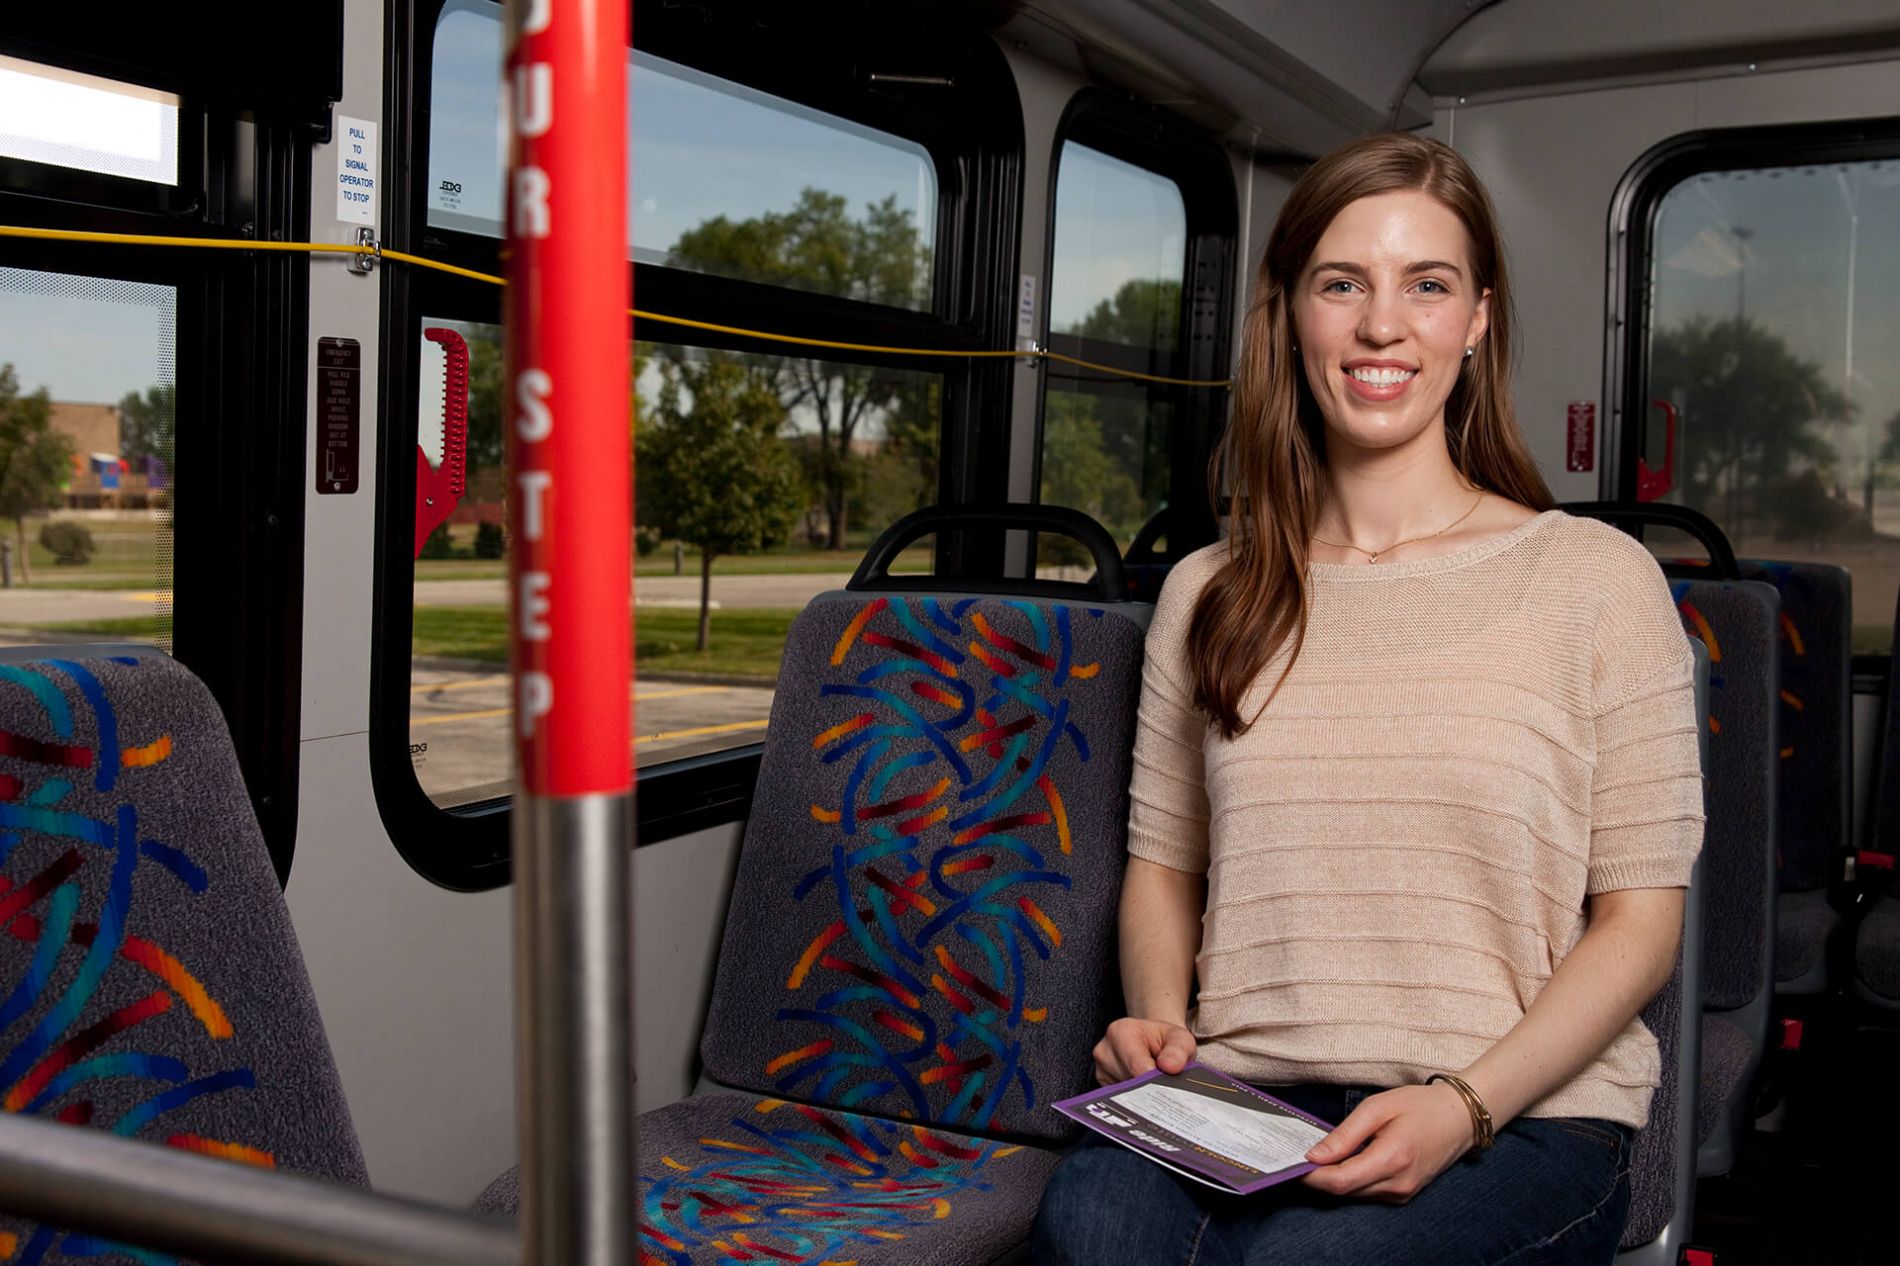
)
(945, 859)
(797, 1186)
(60, 1056)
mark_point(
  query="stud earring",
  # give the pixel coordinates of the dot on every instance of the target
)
(1468, 352)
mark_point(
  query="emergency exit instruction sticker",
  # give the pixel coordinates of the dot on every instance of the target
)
(355, 170)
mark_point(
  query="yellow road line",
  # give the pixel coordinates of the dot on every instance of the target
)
(444, 719)
(457, 685)
(484, 715)
(704, 729)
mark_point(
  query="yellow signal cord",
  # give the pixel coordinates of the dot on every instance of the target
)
(418, 261)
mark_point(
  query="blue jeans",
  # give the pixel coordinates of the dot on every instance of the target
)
(1553, 1191)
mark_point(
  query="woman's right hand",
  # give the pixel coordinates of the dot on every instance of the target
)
(1132, 1046)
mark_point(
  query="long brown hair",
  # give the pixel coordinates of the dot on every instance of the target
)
(1272, 460)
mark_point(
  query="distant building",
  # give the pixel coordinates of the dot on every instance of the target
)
(101, 478)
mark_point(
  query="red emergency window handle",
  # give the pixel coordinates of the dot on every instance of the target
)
(1652, 485)
(439, 488)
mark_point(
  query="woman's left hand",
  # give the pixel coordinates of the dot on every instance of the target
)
(1408, 1136)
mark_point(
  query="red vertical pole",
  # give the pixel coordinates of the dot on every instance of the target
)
(565, 81)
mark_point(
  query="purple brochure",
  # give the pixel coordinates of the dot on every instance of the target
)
(1204, 1124)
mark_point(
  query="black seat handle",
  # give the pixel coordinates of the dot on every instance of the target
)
(1142, 548)
(874, 573)
(1628, 514)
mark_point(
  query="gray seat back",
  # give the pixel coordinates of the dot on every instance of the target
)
(1813, 799)
(1662, 1166)
(150, 982)
(922, 924)
(1738, 623)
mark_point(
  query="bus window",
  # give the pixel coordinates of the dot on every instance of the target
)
(1774, 292)
(725, 179)
(760, 481)
(87, 398)
(1119, 258)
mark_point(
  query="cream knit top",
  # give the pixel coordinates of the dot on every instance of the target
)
(1399, 850)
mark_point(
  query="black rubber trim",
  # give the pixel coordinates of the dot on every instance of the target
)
(873, 574)
(1632, 517)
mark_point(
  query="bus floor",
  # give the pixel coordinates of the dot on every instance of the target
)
(1820, 1189)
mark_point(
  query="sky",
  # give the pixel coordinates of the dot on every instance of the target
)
(86, 340)
(1777, 242)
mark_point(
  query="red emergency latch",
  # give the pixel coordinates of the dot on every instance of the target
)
(1790, 1034)
(1692, 1256)
(1878, 861)
(1654, 484)
(439, 486)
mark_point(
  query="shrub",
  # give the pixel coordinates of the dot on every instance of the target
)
(646, 540)
(70, 544)
(489, 541)
(438, 545)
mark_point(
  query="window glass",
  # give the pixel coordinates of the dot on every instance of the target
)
(825, 454)
(55, 116)
(724, 179)
(87, 400)
(1775, 297)
(1115, 298)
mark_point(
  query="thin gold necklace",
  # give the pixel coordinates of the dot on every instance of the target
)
(1372, 556)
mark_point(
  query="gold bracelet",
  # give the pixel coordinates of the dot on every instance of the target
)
(1482, 1135)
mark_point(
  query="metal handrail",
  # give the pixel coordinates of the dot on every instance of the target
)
(209, 1209)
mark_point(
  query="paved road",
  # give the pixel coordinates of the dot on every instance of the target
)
(40, 606)
(458, 727)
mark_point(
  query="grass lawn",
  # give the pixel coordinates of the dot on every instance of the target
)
(745, 643)
(123, 628)
(778, 562)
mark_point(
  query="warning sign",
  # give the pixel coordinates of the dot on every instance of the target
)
(1581, 446)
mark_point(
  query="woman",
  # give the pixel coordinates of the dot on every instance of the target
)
(1416, 788)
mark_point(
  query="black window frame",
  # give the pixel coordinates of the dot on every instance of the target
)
(1159, 141)
(241, 372)
(1633, 212)
(914, 68)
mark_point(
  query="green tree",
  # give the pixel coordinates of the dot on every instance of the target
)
(35, 460)
(718, 474)
(1752, 412)
(1143, 313)
(1078, 472)
(487, 383)
(818, 246)
(148, 424)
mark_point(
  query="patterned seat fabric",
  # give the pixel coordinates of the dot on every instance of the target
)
(920, 945)
(922, 924)
(1738, 624)
(1812, 814)
(150, 982)
(734, 1178)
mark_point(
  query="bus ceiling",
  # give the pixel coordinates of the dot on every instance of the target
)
(1267, 76)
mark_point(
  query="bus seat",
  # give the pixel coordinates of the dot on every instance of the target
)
(919, 952)
(1877, 938)
(1738, 623)
(1663, 1161)
(1812, 814)
(152, 981)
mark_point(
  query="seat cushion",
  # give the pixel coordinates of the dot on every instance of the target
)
(731, 1177)
(1726, 1060)
(1877, 949)
(1804, 921)
(150, 977)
